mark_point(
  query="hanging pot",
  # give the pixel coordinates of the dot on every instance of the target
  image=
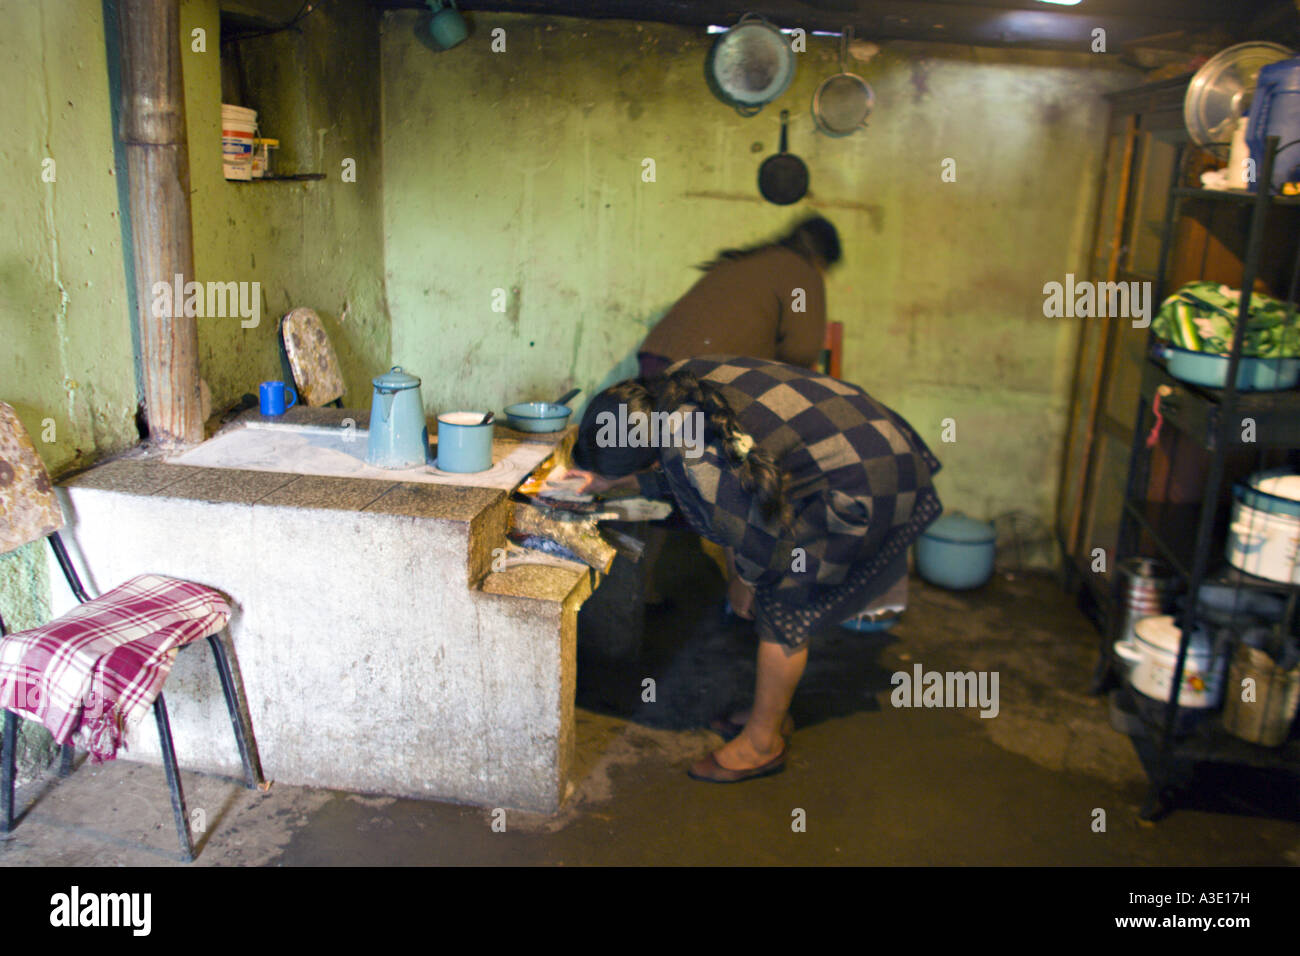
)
(843, 102)
(783, 178)
(750, 65)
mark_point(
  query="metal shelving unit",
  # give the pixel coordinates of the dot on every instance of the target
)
(1183, 534)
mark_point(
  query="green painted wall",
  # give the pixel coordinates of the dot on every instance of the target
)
(316, 244)
(522, 170)
(66, 362)
(65, 334)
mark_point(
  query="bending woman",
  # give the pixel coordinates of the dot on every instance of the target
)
(816, 489)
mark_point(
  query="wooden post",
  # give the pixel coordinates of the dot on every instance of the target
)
(158, 167)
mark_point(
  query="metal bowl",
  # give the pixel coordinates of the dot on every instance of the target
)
(1219, 93)
(750, 65)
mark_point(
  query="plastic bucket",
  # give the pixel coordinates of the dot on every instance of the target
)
(238, 128)
(1275, 111)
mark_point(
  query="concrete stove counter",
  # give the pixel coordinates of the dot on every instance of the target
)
(376, 649)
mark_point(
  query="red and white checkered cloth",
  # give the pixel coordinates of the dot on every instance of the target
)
(97, 670)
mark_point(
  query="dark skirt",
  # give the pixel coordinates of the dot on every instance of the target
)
(793, 625)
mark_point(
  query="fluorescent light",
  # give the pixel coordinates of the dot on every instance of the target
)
(817, 33)
(1063, 3)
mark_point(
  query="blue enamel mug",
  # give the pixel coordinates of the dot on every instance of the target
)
(271, 398)
(464, 442)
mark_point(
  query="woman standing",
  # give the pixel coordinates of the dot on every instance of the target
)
(815, 487)
(767, 300)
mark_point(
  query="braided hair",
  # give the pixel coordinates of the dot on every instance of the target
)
(758, 471)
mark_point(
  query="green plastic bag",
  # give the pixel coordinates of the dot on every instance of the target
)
(1202, 317)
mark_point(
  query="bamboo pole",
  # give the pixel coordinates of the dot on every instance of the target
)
(158, 170)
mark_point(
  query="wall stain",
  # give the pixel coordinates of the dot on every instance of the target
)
(512, 309)
(920, 80)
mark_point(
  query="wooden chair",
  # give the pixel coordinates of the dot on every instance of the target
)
(833, 350)
(308, 358)
(131, 634)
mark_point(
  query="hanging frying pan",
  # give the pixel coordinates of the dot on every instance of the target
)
(750, 65)
(843, 102)
(783, 178)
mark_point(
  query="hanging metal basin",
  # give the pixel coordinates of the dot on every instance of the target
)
(750, 65)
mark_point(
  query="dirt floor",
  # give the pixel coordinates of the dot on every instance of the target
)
(870, 782)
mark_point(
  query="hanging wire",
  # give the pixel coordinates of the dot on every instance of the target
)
(307, 8)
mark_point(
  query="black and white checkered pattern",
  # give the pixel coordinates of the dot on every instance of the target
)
(860, 488)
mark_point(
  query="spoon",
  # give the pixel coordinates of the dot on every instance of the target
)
(487, 418)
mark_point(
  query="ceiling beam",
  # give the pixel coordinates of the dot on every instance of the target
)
(1062, 28)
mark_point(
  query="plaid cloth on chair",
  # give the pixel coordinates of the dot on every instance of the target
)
(96, 671)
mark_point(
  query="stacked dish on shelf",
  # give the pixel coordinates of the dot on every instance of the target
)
(1197, 324)
(1264, 534)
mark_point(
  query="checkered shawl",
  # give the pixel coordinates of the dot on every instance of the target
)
(859, 487)
(96, 671)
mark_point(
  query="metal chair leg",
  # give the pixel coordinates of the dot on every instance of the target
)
(173, 779)
(66, 754)
(252, 767)
(8, 759)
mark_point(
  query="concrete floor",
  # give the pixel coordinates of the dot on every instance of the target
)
(876, 784)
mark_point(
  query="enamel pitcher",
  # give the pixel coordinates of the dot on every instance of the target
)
(399, 437)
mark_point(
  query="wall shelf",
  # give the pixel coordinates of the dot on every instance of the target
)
(296, 178)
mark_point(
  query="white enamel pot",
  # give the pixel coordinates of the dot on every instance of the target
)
(1152, 653)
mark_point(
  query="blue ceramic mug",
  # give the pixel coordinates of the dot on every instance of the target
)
(271, 395)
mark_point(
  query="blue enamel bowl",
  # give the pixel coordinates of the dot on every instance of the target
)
(957, 552)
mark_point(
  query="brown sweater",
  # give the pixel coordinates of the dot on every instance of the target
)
(745, 307)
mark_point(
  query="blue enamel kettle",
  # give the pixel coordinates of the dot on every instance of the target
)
(399, 437)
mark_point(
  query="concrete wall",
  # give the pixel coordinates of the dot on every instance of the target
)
(522, 170)
(404, 682)
(316, 244)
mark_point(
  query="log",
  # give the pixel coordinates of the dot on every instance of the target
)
(158, 170)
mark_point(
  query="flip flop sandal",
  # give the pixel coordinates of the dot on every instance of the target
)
(709, 770)
(729, 730)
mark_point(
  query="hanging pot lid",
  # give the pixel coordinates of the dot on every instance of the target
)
(395, 380)
(960, 529)
(750, 65)
(1219, 93)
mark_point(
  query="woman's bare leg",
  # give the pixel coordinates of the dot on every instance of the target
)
(778, 676)
(740, 594)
